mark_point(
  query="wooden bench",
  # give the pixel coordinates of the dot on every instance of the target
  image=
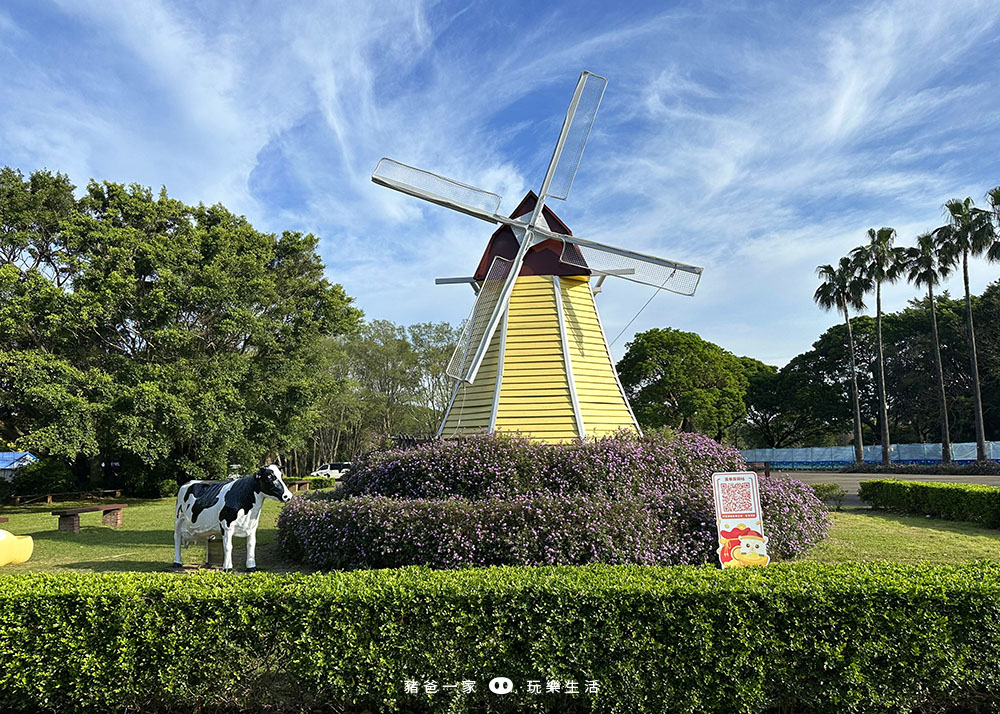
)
(69, 518)
(298, 485)
(3, 520)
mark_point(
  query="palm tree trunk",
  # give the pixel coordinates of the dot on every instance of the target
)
(977, 400)
(945, 434)
(859, 447)
(883, 414)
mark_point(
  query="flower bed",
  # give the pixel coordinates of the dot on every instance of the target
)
(503, 500)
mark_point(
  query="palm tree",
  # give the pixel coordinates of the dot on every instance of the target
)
(969, 232)
(879, 262)
(842, 289)
(924, 268)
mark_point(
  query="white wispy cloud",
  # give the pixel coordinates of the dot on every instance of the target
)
(759, 142)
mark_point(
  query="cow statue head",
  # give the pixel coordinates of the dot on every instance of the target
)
(271, 485)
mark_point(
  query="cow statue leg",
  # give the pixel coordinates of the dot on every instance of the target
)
(177, 543)
(227, 547)
(252, 549)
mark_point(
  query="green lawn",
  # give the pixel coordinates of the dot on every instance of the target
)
(145, 542)
(860, 534)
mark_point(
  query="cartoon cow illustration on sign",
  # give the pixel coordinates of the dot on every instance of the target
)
(742, 547)
(226, 508)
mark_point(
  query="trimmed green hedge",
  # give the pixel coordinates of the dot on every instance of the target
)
(796, 637)
(316, 482)
(832, 494)
(952, 501)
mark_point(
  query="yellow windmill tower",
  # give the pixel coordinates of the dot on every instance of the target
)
(533, 356)
(547, 371)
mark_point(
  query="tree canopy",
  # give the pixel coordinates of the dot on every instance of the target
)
(170, 339)
(391, 382)
(675, 378)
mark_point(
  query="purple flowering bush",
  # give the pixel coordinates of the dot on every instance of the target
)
(505, 500)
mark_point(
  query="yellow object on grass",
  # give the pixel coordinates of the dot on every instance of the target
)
(14, 549)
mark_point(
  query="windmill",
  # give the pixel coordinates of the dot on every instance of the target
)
(533, 356)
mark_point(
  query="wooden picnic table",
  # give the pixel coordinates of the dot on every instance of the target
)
(65, 496)
(69, 518)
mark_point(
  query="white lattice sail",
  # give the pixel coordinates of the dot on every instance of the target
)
(464, 364)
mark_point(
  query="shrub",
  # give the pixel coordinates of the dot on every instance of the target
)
(472, 467)
(975, 503)
(976, 468)
(493, 500)
(804, 637)
(48, 475)
(166, 487)
(381, 532)
(316, 482)
(830, 493)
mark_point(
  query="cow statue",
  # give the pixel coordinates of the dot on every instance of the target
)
(226, 508)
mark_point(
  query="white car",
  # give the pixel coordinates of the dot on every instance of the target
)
(334, 470)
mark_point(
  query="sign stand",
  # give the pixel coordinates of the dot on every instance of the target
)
(739, 520)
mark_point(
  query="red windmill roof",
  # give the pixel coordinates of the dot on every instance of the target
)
(542, 259)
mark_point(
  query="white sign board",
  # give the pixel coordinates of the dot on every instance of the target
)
(739, 520)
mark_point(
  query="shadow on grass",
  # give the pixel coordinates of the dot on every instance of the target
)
(113, 565)
(98, 535)
(938, 524)
(102, 535)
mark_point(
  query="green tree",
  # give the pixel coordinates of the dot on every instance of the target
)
(383, 380)
(433, 344)
(383, 364)
(32, 211)
(925, 269)
(986, 308)
(788, 407)
(177, 338)
(677, 379)
(880, 262)
(969, 232)
(843, 289)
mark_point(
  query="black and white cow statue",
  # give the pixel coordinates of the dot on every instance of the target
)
(226, 508)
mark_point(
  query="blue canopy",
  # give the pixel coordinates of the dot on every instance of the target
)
(15, 459)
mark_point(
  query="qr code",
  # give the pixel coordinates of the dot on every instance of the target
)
(736, 497)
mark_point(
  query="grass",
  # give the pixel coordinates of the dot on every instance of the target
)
(860, 534)
(145, 542)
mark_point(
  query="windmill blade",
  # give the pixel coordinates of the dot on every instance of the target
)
(443, 191)
(607, 260)
(468, 356)
(573, 138)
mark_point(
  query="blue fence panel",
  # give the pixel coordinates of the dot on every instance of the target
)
(963, 452)
(835, 457)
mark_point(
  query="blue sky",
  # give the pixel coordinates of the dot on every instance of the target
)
(759, 140)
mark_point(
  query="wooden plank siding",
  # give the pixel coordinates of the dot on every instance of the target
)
(471, 408)
(534, 393)
(602, 402)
